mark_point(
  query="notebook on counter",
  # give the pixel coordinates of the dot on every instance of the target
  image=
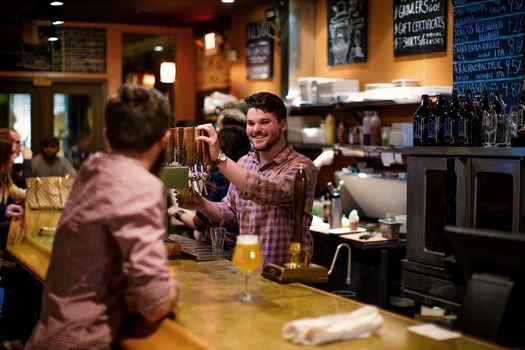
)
(198, 251)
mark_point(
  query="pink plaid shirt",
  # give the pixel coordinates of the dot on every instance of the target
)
(109, 240)
(265, 206)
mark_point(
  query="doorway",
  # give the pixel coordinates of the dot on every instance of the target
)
(72, 111)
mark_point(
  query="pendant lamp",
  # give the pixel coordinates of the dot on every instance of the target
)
(168, 71)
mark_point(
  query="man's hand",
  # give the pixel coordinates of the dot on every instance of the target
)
(26, 152)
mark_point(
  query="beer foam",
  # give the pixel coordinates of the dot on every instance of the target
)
(247, 239)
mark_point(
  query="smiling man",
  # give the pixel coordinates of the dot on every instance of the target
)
(260, 199)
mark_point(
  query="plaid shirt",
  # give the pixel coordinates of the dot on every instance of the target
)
(109, 241)
(265, 206)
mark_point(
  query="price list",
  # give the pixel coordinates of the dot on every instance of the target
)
(488, 47)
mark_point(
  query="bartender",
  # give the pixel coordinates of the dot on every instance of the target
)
(260, 199)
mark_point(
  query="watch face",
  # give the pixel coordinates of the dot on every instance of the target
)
(220, 158)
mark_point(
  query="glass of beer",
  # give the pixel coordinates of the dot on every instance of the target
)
(247, 257)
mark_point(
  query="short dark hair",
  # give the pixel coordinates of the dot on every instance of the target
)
(136, 117)
(233, 116)
(268, 103)
(50, 141)
(234, 142)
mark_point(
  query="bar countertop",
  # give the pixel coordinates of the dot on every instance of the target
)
(208, 317)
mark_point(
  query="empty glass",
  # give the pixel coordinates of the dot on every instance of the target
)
(217, 235)
(501, 130)
(488, 126)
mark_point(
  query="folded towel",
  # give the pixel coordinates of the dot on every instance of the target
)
(341, 326)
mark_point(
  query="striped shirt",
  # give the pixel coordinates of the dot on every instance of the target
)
(109, 241)
(265, 206)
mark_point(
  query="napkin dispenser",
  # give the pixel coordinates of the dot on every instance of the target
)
(298, 269)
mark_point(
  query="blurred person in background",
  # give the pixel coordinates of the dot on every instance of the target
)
(23, 170)
(229, 117)
(11, 196)
(47, 163)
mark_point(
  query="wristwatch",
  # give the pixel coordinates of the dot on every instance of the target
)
(221, 158)
(179, 214)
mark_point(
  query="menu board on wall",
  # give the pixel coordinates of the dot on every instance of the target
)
(78, 50)
(488, 47)
(419, 26)
(347, 28)
(83, 50)
(259, 51)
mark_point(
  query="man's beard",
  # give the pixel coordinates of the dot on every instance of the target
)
(160, 163)
(272, 140)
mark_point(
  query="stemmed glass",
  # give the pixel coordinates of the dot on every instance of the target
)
(247, 257)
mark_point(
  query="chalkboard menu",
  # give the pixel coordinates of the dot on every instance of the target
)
(78, 50)
(347, 31)
(488, 47)
(259, 51)
(419, 26)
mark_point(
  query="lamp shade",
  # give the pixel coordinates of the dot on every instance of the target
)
(167, 72)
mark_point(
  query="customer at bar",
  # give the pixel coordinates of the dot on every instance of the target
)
(47, 163)
(261, 195)
(26, 170)
(11, 195)
(108, 260)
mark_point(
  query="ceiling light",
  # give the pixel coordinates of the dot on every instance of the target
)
(52, 34)
(228, 1)
(158, 48)
(56, 3)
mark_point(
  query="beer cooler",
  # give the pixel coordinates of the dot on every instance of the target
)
(459, 186)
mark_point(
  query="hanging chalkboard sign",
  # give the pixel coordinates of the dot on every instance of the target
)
(78, 50)
(419, 26)
(347, 28)
(488, 47)
(259, 51)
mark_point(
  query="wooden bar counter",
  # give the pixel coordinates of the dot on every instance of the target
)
(208, 317)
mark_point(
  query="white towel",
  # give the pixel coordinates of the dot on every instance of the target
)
(330, 328)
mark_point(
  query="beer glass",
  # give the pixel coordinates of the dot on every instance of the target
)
(489, 127)
(246, 257)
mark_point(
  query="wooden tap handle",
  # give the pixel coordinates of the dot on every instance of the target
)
(189, 145)
(205, 149)
(180, 153)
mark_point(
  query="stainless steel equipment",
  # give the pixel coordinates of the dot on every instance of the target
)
(468, 187)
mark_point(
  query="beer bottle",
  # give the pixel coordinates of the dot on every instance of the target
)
(342, 131)
(420, 121)
(464, 121)
(441, 114)
(450, 123)
(476, 135)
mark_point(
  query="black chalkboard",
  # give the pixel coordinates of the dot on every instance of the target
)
(420, 26)
(347, 31)
(78, 50)
(259, 51)
(488, 47)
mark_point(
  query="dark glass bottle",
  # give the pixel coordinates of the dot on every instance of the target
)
(342, 131)
(450, 122)
(465, 121)
(476, 135)
(436, 122)
(420, 121)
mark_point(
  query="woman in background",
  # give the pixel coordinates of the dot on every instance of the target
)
(11, 196)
